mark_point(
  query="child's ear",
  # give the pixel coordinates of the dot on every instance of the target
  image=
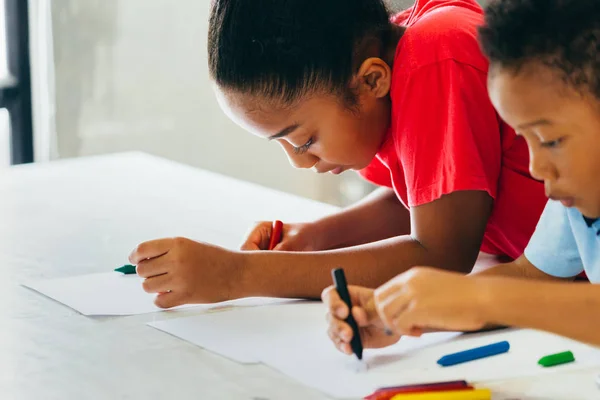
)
(375, 77)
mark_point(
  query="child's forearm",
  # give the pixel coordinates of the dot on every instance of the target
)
(306, 274)
(441, 237)
(568, 309)
(519, 268)
(378, 216)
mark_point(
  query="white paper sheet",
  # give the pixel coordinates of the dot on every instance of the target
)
(230, 335)
(292, 338)
(113, 293)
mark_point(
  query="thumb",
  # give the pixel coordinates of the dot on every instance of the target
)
(360, 316)
(258, 238)
(366, 314)
(371, 310)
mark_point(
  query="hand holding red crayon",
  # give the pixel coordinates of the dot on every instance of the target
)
(268, 235)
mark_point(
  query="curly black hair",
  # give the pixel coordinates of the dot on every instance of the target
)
(283, 49)
(561, 34)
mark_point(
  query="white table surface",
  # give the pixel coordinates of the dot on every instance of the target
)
(84, 216)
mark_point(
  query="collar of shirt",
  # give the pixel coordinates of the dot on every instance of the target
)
(590, 223)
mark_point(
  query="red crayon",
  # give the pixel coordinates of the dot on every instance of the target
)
(276, 234)
(389, 392)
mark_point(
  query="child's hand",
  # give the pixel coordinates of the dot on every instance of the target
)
(427, 298)
(182, 271)
(371, 327)
(295, 237)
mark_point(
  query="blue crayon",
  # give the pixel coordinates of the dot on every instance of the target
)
(474, 354)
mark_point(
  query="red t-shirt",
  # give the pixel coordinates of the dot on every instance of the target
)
(445, 135)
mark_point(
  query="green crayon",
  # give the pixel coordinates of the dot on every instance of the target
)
(557, 359)
(126, 269)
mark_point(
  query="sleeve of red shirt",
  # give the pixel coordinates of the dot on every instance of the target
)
(448, 133)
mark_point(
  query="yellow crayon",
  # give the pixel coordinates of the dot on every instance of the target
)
(478, 394)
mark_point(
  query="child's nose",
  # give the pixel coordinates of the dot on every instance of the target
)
(305, 160)
(540, 167)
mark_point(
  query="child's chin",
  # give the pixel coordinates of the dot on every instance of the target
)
(588, 211)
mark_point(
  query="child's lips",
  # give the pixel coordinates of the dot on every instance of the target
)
(565, 201)
(568, 202)
(336, 171)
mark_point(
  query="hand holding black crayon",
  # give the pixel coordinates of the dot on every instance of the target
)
(339, 280)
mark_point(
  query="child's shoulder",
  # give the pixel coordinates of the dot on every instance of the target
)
(439, 30)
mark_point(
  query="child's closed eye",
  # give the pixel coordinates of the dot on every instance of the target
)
(551, 144)
(304, 148)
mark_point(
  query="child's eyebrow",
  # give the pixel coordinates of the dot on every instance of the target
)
(534, 123)
(285, 132)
